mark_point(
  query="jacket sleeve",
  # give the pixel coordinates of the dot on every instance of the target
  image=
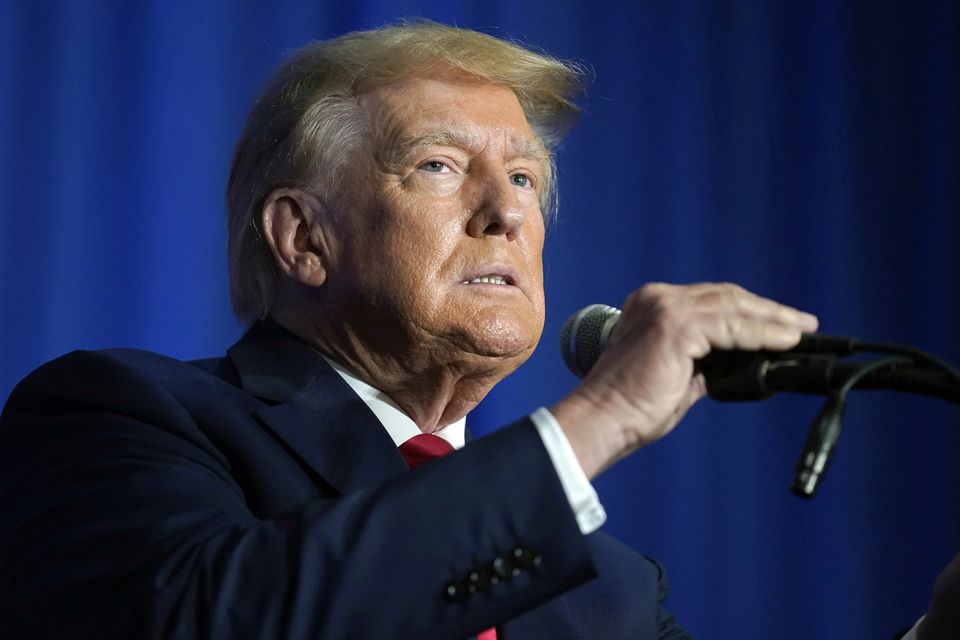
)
(120, 519)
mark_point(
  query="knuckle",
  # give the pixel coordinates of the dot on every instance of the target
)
(651, 290)
(733, 293)
(648, 298)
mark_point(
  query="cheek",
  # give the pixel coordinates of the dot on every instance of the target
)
(535, 258)
(415, 250)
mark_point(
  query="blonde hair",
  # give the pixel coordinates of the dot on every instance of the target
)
(307, 121)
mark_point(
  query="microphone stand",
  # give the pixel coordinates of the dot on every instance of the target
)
(813, 367)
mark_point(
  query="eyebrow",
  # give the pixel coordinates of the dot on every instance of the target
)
(397, 151)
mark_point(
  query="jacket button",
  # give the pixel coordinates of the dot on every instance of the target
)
(526, 557)
(505, 569)
(455, 591)
(481, 579)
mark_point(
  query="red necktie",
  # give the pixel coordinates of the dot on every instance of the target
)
(423, 448)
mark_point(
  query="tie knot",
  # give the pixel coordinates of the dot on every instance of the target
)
(423, 448)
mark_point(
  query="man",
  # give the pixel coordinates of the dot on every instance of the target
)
(387, 206)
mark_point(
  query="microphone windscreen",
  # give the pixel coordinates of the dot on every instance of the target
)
(584, 336)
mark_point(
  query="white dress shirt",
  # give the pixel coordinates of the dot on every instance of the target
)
(580, 493)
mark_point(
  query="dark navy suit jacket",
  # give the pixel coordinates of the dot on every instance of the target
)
(256, 496)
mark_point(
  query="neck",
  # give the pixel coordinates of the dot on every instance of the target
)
(434, 384)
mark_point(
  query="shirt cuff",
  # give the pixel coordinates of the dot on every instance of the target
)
(580, 493)
(912, 634)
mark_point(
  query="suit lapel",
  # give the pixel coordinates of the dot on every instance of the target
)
(315, 413)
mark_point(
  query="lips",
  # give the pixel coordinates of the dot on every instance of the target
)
(498, 275)
(491, 279)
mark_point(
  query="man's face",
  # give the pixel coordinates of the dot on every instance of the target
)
(441, 235)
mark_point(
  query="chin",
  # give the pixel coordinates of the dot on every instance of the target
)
(504, 335)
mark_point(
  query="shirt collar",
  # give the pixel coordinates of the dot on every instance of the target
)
(398, 425)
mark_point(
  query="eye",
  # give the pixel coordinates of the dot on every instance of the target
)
(520, 180)
(433, 166)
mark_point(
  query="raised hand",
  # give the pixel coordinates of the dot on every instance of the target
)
(644, 381)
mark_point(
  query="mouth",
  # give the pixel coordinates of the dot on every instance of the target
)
(492, 278)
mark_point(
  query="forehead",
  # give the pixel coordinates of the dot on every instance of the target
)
(474, 109)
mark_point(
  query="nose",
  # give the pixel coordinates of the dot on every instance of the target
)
(497, 210)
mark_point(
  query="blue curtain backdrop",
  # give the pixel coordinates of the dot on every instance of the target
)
(808, 150)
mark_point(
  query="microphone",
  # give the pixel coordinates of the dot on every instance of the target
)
(587, 333)
(811, 366)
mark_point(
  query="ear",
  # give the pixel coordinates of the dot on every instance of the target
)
(291, 227)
